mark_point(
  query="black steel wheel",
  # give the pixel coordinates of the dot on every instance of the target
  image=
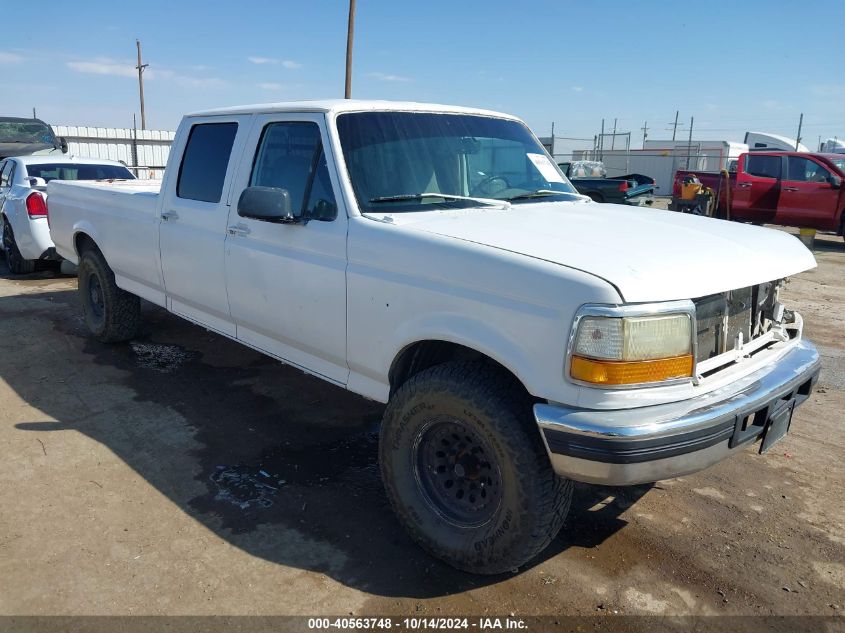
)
(112, 314)
(458, 473)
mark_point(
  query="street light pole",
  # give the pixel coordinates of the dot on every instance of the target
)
(141, 68)
(350, 32)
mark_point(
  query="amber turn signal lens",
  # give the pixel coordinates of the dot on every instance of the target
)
(607, 372)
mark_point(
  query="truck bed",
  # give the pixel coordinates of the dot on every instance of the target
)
(121, 217)
(714, 180)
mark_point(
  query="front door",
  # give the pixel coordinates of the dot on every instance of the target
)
(807, 196)
(757, 188)
(193, 221)
(287, 282)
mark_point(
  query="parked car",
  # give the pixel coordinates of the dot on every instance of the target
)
(786, 188)
(23, 208)
(436, 259)
(23, 137)
(589, 177)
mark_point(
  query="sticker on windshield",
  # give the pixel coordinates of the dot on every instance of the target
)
(545, 167)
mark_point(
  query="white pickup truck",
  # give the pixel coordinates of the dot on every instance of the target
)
(436, 259)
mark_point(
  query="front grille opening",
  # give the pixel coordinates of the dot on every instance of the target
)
(725, 319)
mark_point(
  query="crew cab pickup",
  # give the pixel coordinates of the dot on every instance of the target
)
(435, 259)
(785, 188)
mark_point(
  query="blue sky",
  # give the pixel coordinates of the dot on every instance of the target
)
(734, 66)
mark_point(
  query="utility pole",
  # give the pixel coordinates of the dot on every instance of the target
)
(675, 129)
(644, 128)
(601, 141)
(798, 138)
(689, 142)
(350, 32)
(552, 146)
(613, 138)
(141, 67)
(33, 114)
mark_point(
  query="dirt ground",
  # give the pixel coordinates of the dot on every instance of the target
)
(185, 474)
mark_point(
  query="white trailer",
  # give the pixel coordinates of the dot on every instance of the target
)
(833, 146)
(765, 142)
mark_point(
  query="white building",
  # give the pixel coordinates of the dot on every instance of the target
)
(146, 149)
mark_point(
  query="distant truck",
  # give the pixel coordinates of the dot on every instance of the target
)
(786, 188)
(24, 137)
(765, 142)
(590, 179)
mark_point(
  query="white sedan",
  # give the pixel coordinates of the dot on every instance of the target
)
(23, 202)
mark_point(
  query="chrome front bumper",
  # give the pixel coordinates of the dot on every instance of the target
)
(631, 446)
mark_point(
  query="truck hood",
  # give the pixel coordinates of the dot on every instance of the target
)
(647, 254)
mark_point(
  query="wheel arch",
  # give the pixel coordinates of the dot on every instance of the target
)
(82, 241)
(423, 354)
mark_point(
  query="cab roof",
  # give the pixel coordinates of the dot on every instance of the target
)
(336, 106)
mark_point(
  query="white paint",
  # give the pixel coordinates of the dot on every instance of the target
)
(342, 299)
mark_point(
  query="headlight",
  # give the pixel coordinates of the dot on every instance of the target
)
(628, 350)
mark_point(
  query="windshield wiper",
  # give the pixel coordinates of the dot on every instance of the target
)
(445, 196)
(540, 193)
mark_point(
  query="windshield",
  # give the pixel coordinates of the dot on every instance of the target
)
(26, 132)
(69, 171)
(400, 161)
(839, 162)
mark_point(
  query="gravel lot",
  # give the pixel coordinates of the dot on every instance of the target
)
(185, 474)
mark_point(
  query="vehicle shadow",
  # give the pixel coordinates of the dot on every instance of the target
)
(836, 245)
(275, 462)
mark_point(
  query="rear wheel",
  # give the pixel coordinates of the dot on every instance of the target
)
(596, 197)
(466, 471)
(16, 262)
(110, 313)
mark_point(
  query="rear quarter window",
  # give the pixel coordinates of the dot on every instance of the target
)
(205, 161)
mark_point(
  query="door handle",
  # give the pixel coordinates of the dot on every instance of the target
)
(790, 188)
(238, 229)
(745, 185)
(169, 215)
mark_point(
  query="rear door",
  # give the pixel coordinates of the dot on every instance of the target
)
(757, 188)
(287, 282)
(807, 197)
(194, 211)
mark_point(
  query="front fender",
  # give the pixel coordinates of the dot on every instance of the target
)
(498, 344)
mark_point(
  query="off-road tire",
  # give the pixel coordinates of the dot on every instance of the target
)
(112, 314)
(534, 501)
(16, 262)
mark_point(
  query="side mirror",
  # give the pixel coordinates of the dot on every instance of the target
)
(269, 204)
(63, 144)
(836, 182)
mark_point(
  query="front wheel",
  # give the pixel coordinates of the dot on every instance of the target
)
(16, 262)
(466, 471)
(110, 313)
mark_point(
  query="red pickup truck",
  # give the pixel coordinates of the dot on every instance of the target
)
(787, 188)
